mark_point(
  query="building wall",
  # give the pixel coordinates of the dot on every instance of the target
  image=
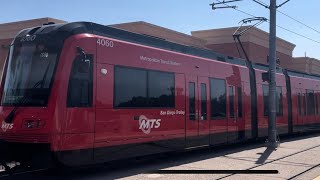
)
(229, 49)
(254, 41)
(9, 30)
(161, 32)
(306, 64)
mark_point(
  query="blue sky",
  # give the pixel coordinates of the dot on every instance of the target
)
(180, 15)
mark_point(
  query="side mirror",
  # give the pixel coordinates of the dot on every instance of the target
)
(84, 65)
(81, 53)
(83, 62)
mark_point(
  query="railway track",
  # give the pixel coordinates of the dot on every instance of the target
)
(295, 176)
(303, 172)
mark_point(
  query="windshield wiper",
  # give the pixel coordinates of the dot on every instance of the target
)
(9, 118)
(23, 100)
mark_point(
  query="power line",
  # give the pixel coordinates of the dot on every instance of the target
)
(292, 18)
(298, 34)
(286, 29)
(299, 21)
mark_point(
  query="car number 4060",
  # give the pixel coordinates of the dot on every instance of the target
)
(104, 42)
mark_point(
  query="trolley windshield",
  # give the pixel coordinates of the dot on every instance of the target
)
(29, 74)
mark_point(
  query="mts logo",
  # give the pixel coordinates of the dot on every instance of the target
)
(146, 124)
(6, 126)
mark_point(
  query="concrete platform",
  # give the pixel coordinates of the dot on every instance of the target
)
(296, 158)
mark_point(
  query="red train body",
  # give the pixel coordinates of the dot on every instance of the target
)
(108, 94)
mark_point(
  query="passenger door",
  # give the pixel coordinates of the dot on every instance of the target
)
(235, 122)
(80, 111)
(197, 124)
(218, 111)
(302, 109)
(232, 120)
(240, 114)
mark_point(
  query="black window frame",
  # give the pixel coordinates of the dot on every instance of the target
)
(231, 95)
(204, 99)
(147, 104)
(74, 69)
(279, 100)
(215, 114)
(299, 104)
(192, 100)
(316, 103)
(310, 102)
(304, 103)
(265, 92)
(239, 91)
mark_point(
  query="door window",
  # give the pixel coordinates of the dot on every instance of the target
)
(239, 102)
(192, 101)
(203, 101)
(231, 101)
(218, 102)
(80, 88)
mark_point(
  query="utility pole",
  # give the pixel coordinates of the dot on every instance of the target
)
(271, 76)
(272, 129)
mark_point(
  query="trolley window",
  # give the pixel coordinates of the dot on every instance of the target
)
(299, 104)
(231, 101)
(192, 101)
(317, 105)
(265, 89)
(80, 83)
(203, 101)
(304, 104)
(140, 88)
(30, 73)
(239, 102)
(160, 89)
(279, 106)
(218, 102)
(310, 102)
(279, 101)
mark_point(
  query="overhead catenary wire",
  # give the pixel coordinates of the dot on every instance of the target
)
(281, 27)
(300, 22)
(298, 34)
(288, 16)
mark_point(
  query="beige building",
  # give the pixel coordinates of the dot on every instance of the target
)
(306, 64)
(255, 42)
(163, 33)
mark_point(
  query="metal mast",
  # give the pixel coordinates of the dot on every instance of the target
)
(272, 129)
